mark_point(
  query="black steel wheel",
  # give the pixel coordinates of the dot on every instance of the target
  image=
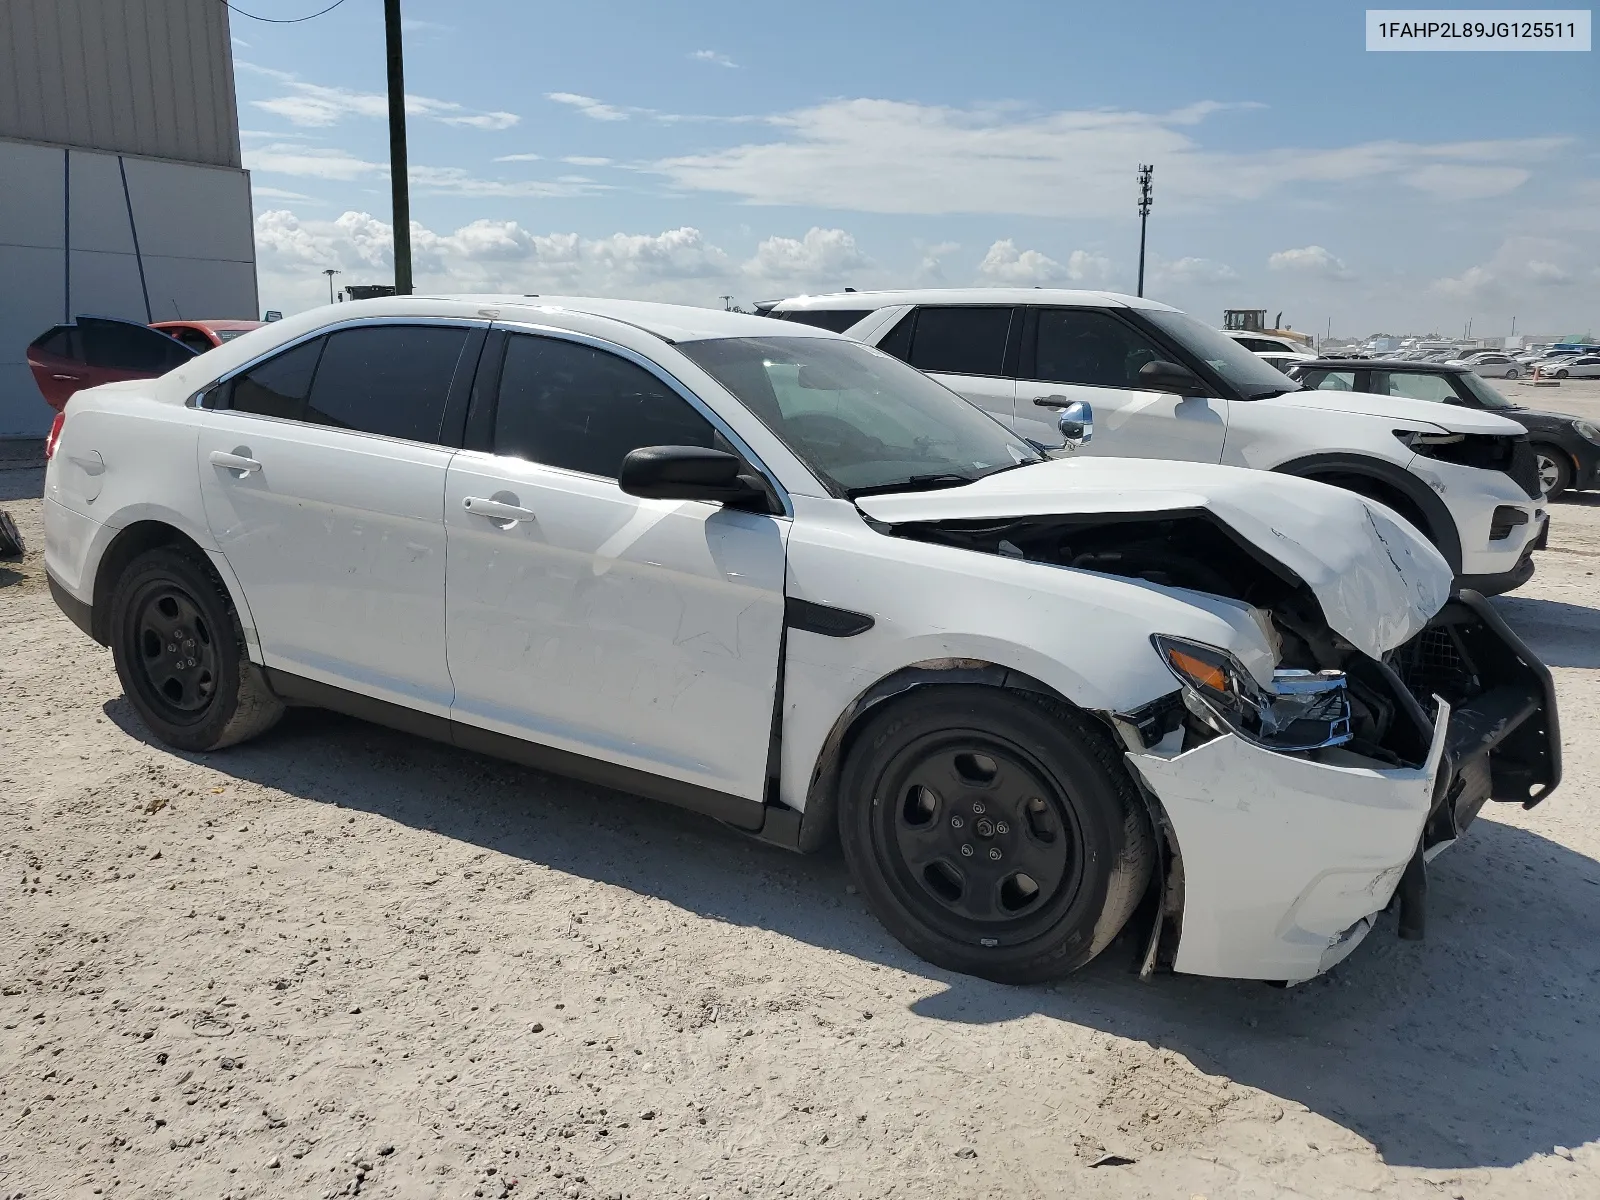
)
(180, 654)
(992, 832)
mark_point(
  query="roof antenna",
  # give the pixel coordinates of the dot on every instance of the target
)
(175, 307)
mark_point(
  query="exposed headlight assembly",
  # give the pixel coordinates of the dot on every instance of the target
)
(1587, 431)
(1300, 710)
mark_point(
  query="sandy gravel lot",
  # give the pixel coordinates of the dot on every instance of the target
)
(340, 961)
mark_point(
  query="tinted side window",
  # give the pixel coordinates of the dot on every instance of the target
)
(387, 379)
(124, 346)
(569, 405)
(279, 386)
(898, 340)
(1092, 348)
(1415, 385)
(836, 319)
(961, 341)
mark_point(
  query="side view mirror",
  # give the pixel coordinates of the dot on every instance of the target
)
(1076, 424)
(1163, 376)
(690, 473)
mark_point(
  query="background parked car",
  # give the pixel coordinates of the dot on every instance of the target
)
(95, 350)
(1158, 383)
(1579, 366)
(1566, 448)
(1492, 365)
(201, 336)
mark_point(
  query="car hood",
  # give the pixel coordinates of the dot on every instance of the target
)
(1448, 417)
(1378, 580)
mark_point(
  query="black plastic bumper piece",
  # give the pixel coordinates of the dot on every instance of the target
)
(79, 613)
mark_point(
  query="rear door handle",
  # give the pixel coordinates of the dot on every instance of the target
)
(67, 378)
(234, 462)
(495, 510)
(1052, 401)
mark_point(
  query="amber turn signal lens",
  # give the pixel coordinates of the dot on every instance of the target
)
(1198, 671)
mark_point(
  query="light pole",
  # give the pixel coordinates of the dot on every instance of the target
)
(400, 188)
(330, 272)
(727, 303)
(1146, 170)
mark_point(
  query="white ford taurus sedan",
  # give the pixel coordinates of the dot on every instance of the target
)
(781, 578)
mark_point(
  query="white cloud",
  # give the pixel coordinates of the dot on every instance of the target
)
(898, 157)
(1524, 272)
(930, 269)
(821, 256)
(1183, 271)
(316, 162)
(586, 160)
(317, 106)
(1309, 260)
(1005, 264)
(271, 193)
(711, 56)
(412, 25)
(589, 106)
(1454, 181)
(520, 158)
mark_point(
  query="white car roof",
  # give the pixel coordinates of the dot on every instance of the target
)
(974, 295)
(674, 322)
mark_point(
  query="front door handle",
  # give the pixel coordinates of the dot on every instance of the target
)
(234, 462)
(1052, 401)
(67, 378)
(497, 510)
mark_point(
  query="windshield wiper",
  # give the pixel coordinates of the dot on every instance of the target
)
(1027, 462)
(917, 483)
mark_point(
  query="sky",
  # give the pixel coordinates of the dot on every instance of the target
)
(689, 152)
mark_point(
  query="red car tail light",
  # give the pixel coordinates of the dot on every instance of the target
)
(54, 436)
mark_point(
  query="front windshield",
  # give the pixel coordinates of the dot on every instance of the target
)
(1253, 376)
(861, 420)
(1486, 394)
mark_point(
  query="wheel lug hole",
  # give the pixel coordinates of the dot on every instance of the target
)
(994, 853)
(1001, 827)
(966, 850)
(957, 823)
(979, 807)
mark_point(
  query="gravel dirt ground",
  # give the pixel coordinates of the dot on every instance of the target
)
(338, 960)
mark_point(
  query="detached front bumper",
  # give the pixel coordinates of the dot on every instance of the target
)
(1282, 861)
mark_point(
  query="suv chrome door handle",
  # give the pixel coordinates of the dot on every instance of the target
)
(1052, 401)
(234, 462)
(495, 510)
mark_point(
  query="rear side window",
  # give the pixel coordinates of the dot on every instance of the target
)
(61, 341)
(391, 380)
(1092, 348)
(568, 405)
(1329, 381)
(836, 319)
(279, 386)
(960, 341)
(1414, 385)
(125, 346)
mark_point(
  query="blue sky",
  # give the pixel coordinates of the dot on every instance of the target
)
(689, 151)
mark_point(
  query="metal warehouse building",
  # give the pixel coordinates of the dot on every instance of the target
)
(121, 191)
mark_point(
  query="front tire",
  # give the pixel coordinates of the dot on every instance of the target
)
(993, 833)
(1555, 471)
(1512, 373)
(1562, 374)
(180, 654)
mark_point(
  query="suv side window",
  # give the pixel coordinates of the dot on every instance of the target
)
(568, 405)
(1415, 385)
(391, 380)
(279, 386)
(960, 341)
(1092, 348)
(1329, 381)
(835, 319)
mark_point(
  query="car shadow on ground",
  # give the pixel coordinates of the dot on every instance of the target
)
(1561, 634)
(1380, 1046)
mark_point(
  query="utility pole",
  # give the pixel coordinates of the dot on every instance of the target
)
(727, 303)
(399, 183)
(1146, 170)
(330, 272)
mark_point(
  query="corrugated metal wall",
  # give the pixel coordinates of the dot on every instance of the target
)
(149, 77)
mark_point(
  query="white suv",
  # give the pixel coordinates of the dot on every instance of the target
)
(1160, 384)
(775, 576)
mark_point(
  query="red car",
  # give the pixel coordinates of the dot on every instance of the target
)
(201, 336)
(95, 350)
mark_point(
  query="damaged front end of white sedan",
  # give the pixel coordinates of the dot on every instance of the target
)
(1301, 768)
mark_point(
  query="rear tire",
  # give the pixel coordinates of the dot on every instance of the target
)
(993, 833)
(1562, 374)
(1512, 373)
(180, 654)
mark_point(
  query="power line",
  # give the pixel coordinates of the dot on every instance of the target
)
(282, 20)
